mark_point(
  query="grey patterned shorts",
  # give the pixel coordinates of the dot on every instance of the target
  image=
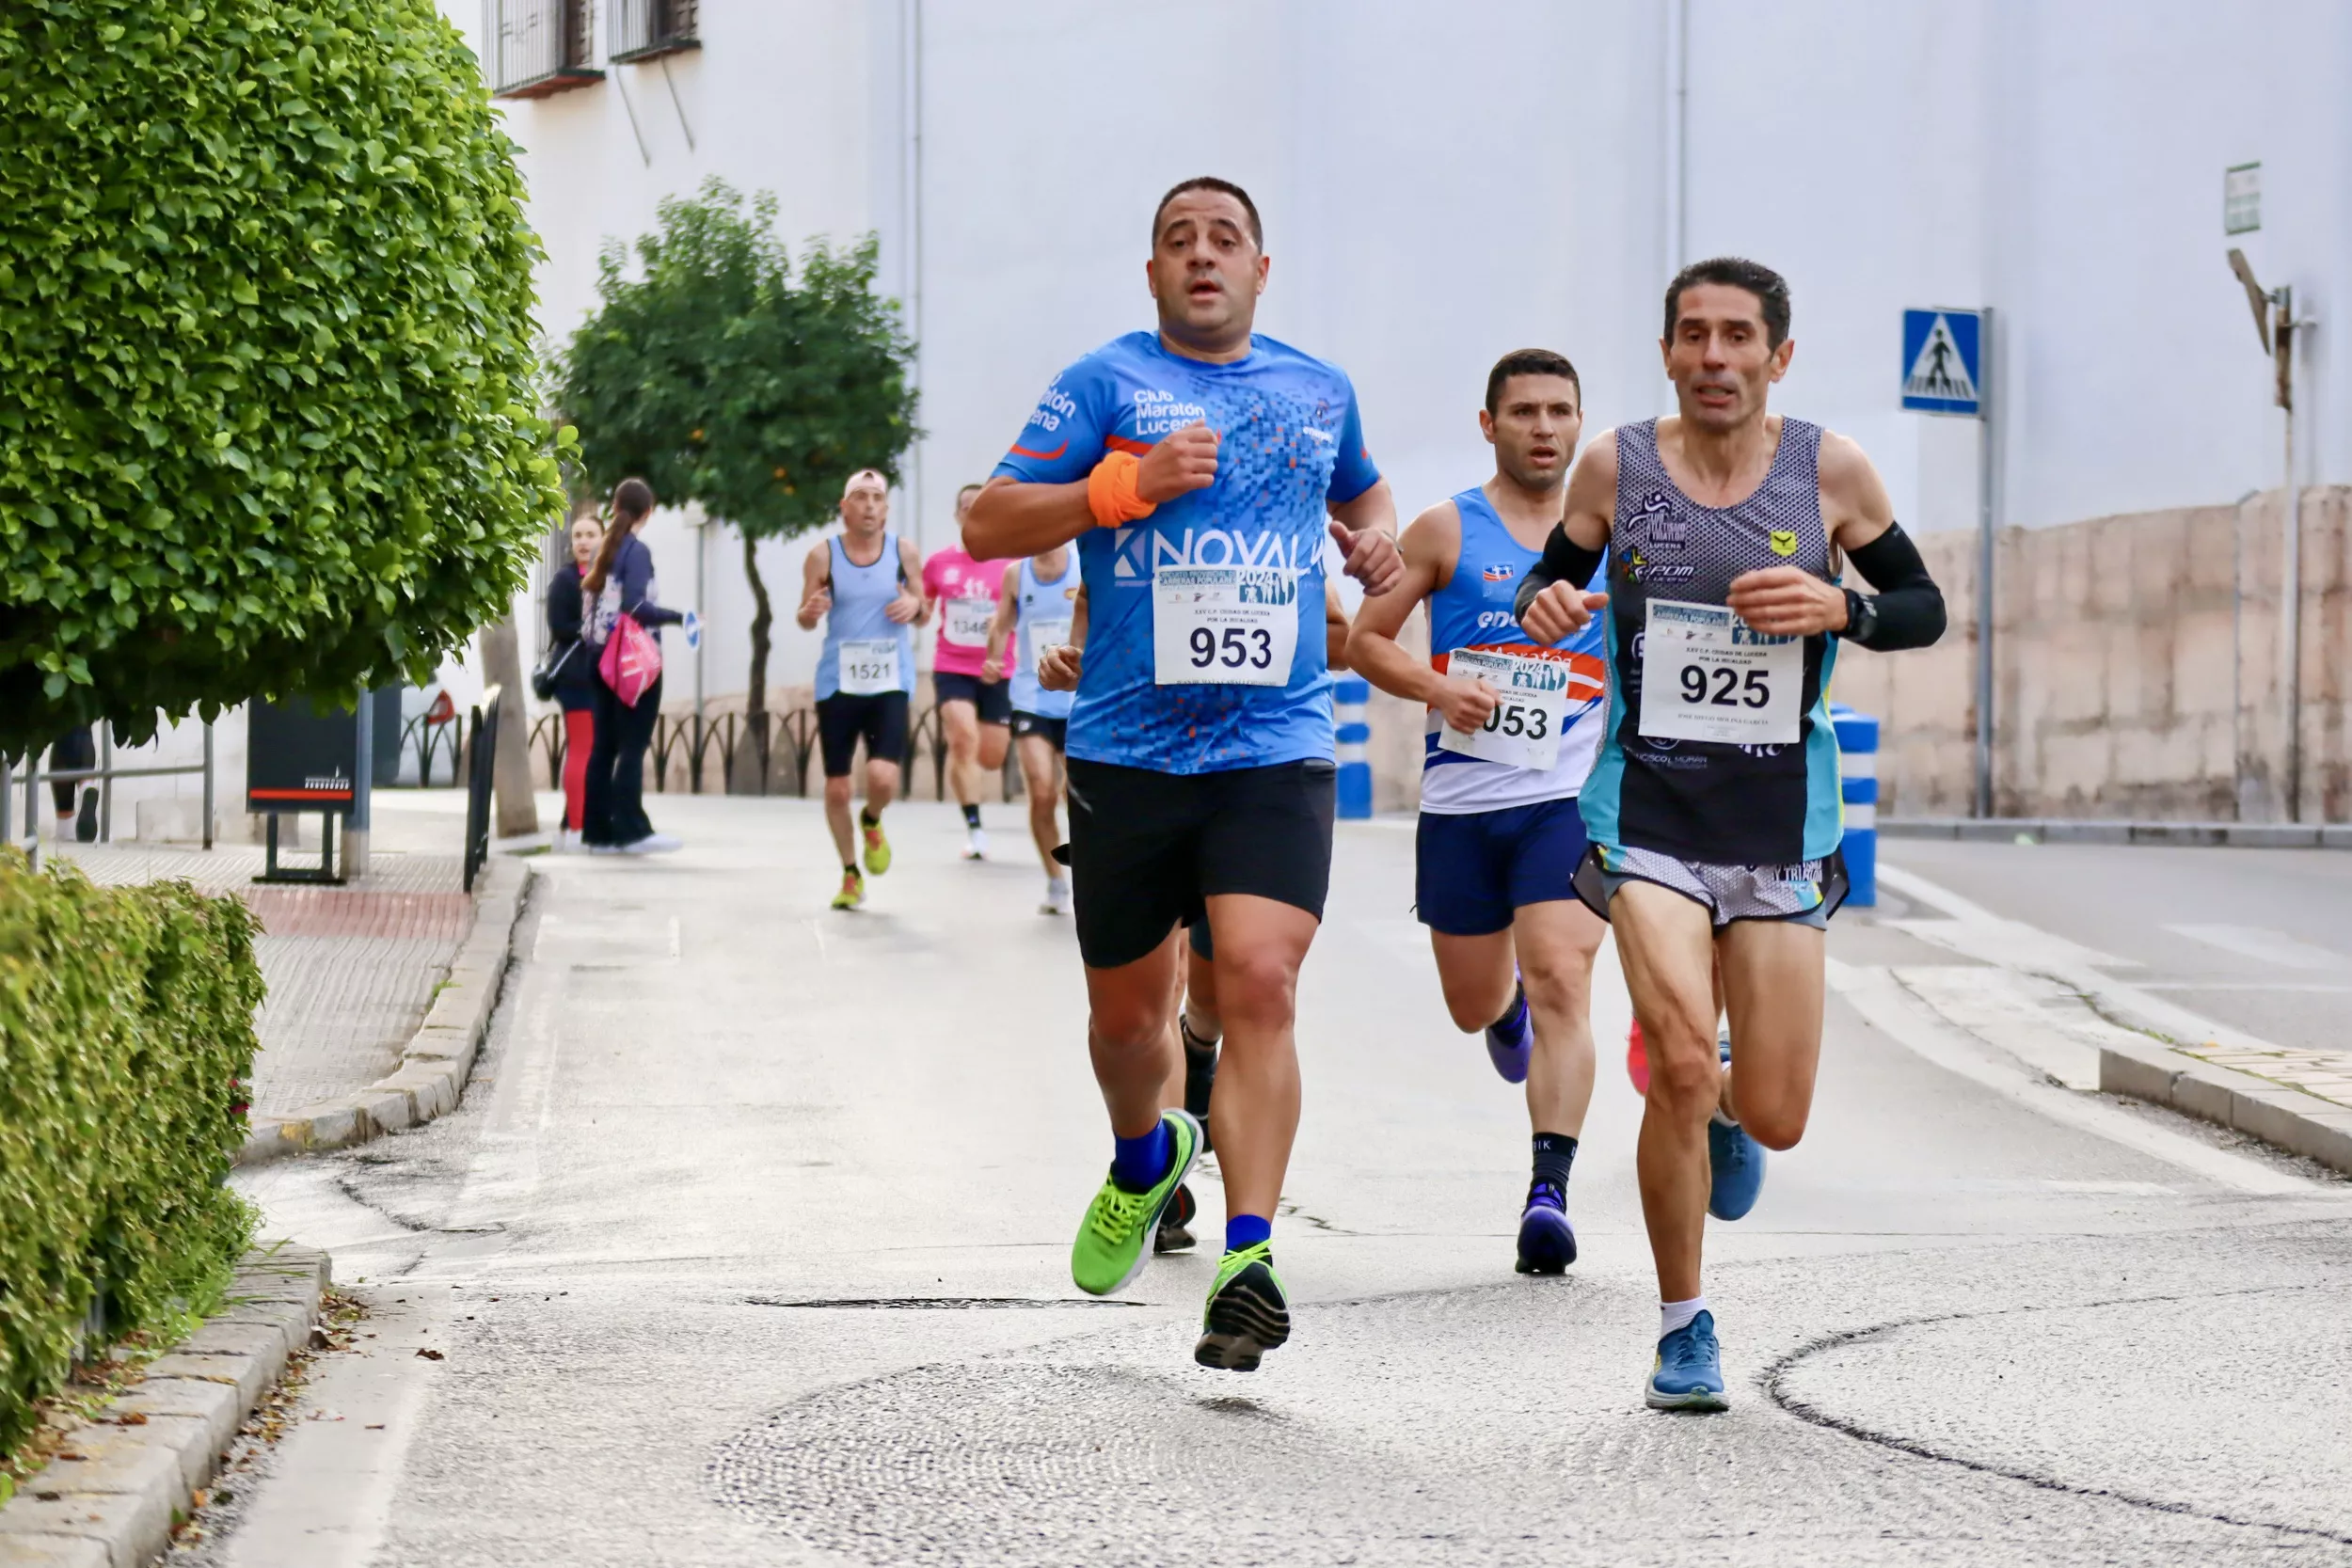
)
(1805, 894)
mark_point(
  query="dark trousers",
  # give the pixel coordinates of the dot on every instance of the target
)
(70, 752)
(614, 810)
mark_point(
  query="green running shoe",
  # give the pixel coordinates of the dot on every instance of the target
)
(1114, 1240)
(1248, 1314)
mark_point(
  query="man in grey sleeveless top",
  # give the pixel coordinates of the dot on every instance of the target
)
(1713, 808)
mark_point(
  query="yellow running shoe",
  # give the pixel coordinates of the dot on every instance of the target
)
(877, 847)
(852, 892)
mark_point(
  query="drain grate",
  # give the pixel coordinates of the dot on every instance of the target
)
(937, 1303)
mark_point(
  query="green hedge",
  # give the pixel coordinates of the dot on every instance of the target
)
(126, 1038)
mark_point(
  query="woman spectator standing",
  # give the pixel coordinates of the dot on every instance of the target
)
(575, 679)
(621, 579)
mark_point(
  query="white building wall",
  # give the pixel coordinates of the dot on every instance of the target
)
(1442, 183)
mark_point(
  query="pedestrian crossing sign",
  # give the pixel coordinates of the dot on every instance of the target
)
(1944, 362)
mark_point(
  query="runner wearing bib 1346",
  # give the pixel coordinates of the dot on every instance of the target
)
(974, 706)
(866, 672)
(1195, 466)
(1513, 726)
(1713, 809)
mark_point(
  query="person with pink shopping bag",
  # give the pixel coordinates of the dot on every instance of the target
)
(622, 624)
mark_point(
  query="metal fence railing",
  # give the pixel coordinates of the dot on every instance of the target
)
(532, 48)
(730, 755)
(105, 774)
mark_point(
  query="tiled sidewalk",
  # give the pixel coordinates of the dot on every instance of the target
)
(351, 969)
(2325, 1073)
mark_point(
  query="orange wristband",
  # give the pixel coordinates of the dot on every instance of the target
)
(1111, 491)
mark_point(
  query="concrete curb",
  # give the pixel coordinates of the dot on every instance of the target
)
(113, 1505)
(2004, 829)
(2277, 1113)
(434, 1064)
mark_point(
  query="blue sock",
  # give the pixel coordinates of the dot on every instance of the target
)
(1246, 1231)
(1139, 1163)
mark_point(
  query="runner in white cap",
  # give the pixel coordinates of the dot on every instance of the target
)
(861, 582)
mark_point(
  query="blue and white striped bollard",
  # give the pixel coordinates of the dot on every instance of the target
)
(1858, 787)
(1349, 697)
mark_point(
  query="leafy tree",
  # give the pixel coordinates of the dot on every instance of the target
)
(266, 423)
(723, 379)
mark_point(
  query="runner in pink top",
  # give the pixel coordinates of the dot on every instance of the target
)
(975, 703)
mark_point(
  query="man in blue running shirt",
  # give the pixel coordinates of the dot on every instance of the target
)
(1194, 467)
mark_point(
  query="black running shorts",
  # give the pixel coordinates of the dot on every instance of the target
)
(1050, 730)
(1147, 849)
(841, 719)
(992, 699)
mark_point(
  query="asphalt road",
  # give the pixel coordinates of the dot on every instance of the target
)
(2261, 939)
(748, 1247)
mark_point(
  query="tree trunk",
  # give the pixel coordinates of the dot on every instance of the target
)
(763, 620)
(502, 662)
(751, 770)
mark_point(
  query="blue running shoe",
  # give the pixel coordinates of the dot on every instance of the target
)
(1690, 1370)
(1510, 1042)
(1736, 1161)
(1547, 1240)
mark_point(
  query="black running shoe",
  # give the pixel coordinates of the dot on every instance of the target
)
(1247, 1314)
(1175, 1232)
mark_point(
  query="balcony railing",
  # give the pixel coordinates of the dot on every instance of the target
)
(532, 48)
(641, 29)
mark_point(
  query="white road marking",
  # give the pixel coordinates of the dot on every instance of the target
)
(2261, 943)
(1878, 996)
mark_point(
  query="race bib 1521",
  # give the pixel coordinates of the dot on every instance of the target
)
(1708, 676)
(870, 666)
(1224, 626)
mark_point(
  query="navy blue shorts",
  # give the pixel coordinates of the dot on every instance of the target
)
(1472, 871)
(993, 699)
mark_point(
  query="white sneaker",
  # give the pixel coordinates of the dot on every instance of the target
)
(654, 843)
(606, 849)
(974, 844)
(566, 842)
(1057, 896)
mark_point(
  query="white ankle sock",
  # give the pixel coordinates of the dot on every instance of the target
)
(1676, 1314)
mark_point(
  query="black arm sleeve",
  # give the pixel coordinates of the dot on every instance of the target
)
(1910, 607)
(563, 603)
(1564, 560)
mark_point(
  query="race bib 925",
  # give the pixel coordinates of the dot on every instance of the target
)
(1708, 676)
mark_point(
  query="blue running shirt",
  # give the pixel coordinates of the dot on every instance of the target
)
(1289, 438)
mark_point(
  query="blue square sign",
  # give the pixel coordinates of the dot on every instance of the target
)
(1944, 362)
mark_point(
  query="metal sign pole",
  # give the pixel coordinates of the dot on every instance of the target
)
(1987, 435)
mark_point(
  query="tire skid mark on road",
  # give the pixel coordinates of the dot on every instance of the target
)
(1774, 1380)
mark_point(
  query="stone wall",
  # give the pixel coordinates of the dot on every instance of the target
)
(2133, 679)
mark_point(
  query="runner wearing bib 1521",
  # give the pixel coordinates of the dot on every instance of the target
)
(865, 672)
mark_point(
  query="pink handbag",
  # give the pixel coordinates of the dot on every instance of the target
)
(632, 659)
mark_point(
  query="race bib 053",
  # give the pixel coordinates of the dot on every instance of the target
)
(1523, 731)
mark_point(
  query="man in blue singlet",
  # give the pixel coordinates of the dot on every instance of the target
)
(1713, 809)
(1036, 606)
(1513, 727)
(864, 583)
(1194, 467)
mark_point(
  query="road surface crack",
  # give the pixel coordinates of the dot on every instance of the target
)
(1775, 1382)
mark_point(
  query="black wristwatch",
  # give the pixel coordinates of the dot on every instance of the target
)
(1861, 618)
